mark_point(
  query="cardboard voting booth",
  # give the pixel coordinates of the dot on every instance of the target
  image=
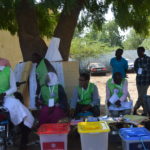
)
(67, 72)
(68, 75)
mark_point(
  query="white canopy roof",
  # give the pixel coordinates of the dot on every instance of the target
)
(53, 53)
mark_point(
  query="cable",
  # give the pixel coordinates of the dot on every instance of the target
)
(142, 143)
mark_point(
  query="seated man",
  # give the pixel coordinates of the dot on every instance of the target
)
(19, 114)
(53, 101)
(116, 96)
(85, 98)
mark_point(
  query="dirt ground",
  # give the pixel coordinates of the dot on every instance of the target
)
(74, 138)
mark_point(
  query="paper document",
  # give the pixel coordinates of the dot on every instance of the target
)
(140, 71)
(113, 98)
(127, 104)
(51, 102)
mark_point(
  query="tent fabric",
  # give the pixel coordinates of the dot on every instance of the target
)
(53, 53)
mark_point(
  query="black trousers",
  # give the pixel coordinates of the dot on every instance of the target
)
(25, 131)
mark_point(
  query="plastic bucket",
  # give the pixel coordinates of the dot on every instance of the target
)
(54, 136)
(94, 135)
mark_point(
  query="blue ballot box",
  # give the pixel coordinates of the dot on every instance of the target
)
(135, 138)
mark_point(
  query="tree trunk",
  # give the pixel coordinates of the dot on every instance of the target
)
(66, 27)
(28, 32)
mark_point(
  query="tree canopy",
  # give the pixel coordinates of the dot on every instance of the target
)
(59, 18)
(109, 34)
(96, 42)
(133, 40)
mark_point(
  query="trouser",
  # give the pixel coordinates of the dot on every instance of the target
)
(142, 91)
(25, 131)
(95, 109)
(117, 113)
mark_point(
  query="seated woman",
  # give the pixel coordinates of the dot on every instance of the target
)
(116, 96)
(85, 100)
(53, 101)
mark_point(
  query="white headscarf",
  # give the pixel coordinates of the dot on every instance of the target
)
(53, 79)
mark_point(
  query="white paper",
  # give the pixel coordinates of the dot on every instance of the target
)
(113, 98)
(51, 102)
(127, 104)
(140, 71)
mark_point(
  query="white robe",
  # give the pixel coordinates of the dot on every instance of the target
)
(18, 112)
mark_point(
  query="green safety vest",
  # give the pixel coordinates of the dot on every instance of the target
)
(49, 92)
(85, 96)
(113, 86)
(4, 79)
(41, 72)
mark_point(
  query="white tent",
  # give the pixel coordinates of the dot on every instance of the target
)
(53, 53)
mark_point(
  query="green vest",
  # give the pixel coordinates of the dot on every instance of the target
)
(113, 86)
(85, 96)
(4, 79)
(42, 72)
(49, 92)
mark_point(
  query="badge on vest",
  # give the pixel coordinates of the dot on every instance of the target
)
(140, 71)
(51, 102)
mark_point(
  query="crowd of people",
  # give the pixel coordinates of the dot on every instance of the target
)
(51, 99)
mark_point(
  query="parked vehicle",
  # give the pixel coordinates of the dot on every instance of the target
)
(130, 66)
(97, 68)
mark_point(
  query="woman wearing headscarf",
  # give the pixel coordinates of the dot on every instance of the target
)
(53, 101)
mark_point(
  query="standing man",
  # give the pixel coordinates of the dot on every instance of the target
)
(142, 69)
(41, 67)
(85, 98)
(119, 64)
